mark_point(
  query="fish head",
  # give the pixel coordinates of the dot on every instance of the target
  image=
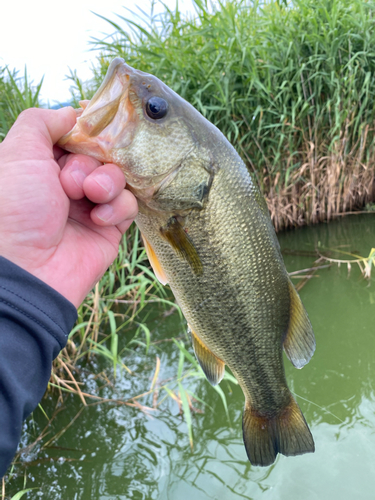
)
(137, 122)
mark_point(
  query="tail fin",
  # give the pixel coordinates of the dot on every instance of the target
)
(286, 433)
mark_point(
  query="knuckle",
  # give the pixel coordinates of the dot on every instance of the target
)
(31, 116)
(30, 113)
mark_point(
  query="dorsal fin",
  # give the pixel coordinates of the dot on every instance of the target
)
(299, 343)
(212, 366)
(180, 241)
(154, 261)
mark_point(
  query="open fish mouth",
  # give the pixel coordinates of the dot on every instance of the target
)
(107, 122)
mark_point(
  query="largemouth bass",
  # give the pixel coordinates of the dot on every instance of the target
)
(208, 233)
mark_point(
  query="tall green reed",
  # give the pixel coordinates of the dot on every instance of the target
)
(114, 305)
(17, 93)
(290, 84)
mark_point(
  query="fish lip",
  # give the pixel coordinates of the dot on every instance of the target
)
(101, 139)
(118, 68)
(91, 135)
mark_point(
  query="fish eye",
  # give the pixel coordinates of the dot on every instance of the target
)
(156, 107)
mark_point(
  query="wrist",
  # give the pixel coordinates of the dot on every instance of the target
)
(63, 281)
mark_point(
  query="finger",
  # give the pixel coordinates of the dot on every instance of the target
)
(80, 213)
(58, 153)
(60, 123)
(75, 169)
(40, 127)
(104, 184)
(123, 208)
(124, 226)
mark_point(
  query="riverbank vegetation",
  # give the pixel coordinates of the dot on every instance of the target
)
(16, 94)
(292, 87)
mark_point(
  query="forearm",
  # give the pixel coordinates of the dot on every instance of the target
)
(35, 322)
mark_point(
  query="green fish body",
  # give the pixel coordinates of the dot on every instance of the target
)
(208, 234)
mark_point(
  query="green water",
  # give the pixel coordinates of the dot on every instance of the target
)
(119, 452)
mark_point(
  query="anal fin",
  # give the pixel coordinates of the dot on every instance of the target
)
(211, 365)
(154, 261)
(299, 343)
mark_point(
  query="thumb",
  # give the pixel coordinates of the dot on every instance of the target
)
(40, 126)
(59, 121)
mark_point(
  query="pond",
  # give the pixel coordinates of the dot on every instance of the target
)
(116, 451)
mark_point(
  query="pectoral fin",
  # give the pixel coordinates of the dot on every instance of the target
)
(180, 241)
(212, 366)
(299, 342)
(154, 261)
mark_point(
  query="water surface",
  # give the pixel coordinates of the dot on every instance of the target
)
(120, 452)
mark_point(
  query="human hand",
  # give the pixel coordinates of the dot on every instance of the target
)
(49, 223)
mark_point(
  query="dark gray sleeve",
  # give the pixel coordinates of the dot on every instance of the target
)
(35, 322)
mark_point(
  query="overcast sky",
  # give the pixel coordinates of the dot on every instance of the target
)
(49, 37)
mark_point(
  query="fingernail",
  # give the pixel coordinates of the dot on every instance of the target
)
(105, 182)
(104, 212)
(78, 177)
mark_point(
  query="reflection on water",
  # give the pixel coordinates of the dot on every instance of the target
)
(121, 453)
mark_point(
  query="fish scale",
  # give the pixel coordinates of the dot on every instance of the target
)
(204, 306)
(208, 233)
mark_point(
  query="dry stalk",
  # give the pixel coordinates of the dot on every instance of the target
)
(330, 181)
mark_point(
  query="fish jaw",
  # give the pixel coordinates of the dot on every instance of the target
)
(113, 127)
(108, 122)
